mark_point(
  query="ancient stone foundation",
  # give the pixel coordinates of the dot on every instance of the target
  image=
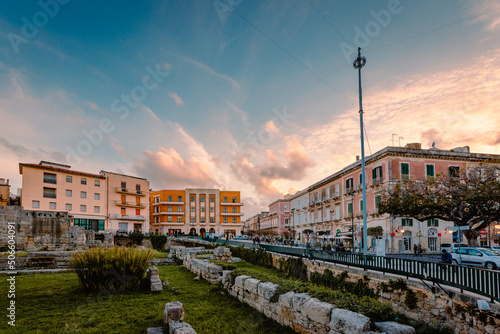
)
(173, 316)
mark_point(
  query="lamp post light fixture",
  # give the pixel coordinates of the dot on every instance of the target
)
(352, 193)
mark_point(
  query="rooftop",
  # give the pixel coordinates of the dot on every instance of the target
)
(54, 167)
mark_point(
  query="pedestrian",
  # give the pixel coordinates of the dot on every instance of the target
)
(419, 250)
(415, 249)
(329, 247)
(337, 247)
(446, 257)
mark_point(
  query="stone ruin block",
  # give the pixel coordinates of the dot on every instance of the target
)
(180, 327)
(173, 311)
(317, 311)
(153, 274)
(154, 330)
(345, 321)
(391, 327)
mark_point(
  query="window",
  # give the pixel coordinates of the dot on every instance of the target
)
(224, 209)
(169, 198)
(49, 178)
(69, 178)
(405, 171)
(361, 205)
(169, 209)
(429, 171)
(235, 210)
(123, 211)
(83, 180)
(406, 222)
(225, 220)
(157, 220)
(453, 171)
(83, 194)
(157, 199)
(138, 188)
(83, 208)
(179, 209)
(202, 198)
(432, 222)
(179, 219)
(35, 204)
(361, 178)
(157, 209)
(378, 199)
(69, 193)
(97, 196)
(212, 199)
(122, 227)
(52, 205)
(234, 200)
(349, 183)
(123, 186)
(137, 212)
(192, 199)
(349, 207)
(212, 219)
(179, 198)
(235, 220)
(97, 209)
(192, 220)
(202, 209)
(192, 209)
(97, 183)
(169, 219)
(49, 192)
(377, 174)
(224, 199)
(202, 219)
(69, 207)
(211, 209)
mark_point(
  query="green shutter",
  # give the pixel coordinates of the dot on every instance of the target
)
(410, 222)
(374, 173)
(430, 170)
(405, 169)
(349, 207)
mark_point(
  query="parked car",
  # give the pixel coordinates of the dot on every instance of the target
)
(472, 256)
(449, 247)
(213, 236)
(240, 237)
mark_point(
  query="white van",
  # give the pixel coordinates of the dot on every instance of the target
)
(449, 247)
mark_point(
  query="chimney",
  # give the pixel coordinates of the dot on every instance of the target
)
(357, 158)
(414, 146)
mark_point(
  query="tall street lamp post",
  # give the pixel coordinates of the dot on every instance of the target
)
(293, 226)
(352, 217)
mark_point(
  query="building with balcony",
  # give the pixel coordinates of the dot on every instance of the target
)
(127, 206)
(101, 202)
(277, 221)
(4, 193)
(252, 224)
(335, 204)
(196, 211)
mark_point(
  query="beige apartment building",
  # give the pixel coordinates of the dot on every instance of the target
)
(127, 204)
(100, 202)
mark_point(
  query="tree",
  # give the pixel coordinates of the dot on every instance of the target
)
(467, 198)
(375, 231)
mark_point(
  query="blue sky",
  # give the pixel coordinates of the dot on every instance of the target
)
(256, 96)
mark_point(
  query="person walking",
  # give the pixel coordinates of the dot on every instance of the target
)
(419, 250)
(415, 249)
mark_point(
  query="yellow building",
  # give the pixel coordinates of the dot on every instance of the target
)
(4, 193)
(196, 211)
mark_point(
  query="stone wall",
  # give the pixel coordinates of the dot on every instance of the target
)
(297, 310)
(41, 230)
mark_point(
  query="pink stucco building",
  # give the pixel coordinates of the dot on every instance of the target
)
(277, 222)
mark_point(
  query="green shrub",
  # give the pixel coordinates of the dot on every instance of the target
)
(410, 299)
(113, 269)
(258, 257)
(136, 237)
(329, 280)
(158, 241)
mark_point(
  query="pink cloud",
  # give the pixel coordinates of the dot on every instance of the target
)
(176, 98)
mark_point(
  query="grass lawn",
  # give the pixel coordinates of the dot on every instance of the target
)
(54, 303)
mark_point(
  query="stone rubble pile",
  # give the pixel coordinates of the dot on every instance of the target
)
(153, 275)
(173, 316)
(223, 254)
(204, 268)
(181, 252)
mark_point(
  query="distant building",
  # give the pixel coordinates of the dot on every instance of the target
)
(94, 200)
(252, 224)
(4, 193)
(196, 211)
(277, 222)
(334, 204)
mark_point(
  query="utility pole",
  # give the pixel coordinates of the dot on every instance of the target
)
(358, 63)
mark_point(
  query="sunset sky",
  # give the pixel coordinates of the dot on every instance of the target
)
(256, 96)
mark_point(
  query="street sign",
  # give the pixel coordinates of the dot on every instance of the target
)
(461, 228)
